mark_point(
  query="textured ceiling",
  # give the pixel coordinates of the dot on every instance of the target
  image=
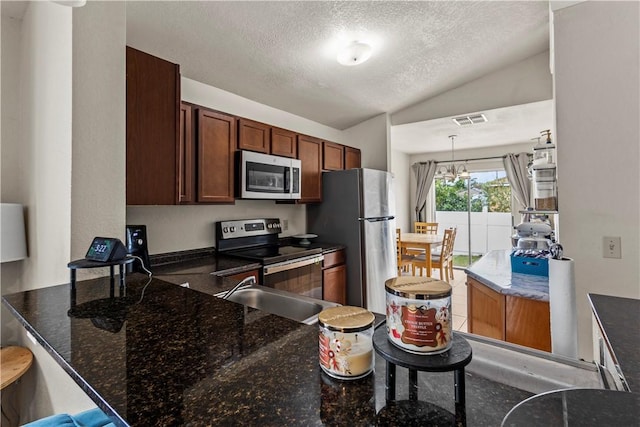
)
(282, 54)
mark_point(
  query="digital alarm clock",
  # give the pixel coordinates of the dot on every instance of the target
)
(106, 249)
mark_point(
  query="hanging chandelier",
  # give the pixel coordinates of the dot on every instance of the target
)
(453, 171)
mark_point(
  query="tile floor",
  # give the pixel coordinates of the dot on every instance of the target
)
(458, 298)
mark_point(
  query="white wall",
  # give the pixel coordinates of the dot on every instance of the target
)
(12, 158)
(64, 123)
(99, 126)
(521, 83)
(371, 137)
(177, 228)
(401, 170)
(45, 130)
(596, 81)
(227, 102)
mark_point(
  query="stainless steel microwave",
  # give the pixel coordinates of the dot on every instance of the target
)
(263, 176)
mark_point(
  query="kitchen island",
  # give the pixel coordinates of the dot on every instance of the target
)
(159, 354)
(508, 306)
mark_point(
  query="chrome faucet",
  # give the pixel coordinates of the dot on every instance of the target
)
(251, 280)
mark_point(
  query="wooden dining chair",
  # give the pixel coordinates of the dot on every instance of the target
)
(404, 259)
(425, 227)
(440, 261)
(449, 255)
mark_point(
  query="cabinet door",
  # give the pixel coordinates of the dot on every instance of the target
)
(236, 278)
(334, 258)
(486, 310)
(351, 158)
(186, 157)
(334, 284)
(528, 323)
(153, 107)
(333, 156)
(216, 149)
(310, 154)
(254, 136)
(283, 143)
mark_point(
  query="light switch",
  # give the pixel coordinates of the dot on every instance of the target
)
(611, 247)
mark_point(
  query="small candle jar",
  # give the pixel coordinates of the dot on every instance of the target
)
(346, 342)
(419, 314)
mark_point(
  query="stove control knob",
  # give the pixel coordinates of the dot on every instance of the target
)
(225, 230)
(232, 229)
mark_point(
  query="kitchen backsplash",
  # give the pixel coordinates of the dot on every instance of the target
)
(179, 228)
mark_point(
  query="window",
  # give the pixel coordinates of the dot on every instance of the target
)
(482, 205)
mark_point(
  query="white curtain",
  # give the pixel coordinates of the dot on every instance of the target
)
(424, 172)
(515, 165)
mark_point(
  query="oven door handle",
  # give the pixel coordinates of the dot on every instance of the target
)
(291, 264)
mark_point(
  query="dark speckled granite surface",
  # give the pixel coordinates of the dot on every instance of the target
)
(161, 354)
(619, 319)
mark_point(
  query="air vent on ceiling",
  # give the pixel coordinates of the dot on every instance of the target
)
(470, 120)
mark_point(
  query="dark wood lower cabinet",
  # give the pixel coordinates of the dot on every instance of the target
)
(508, 318)
(236, 278)
(334, 277)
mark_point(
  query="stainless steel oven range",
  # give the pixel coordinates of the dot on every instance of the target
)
(291, 268)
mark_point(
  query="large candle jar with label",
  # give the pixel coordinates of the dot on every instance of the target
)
(419, 314)
(346, 342)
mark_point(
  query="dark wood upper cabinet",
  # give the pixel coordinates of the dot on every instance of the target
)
(153, 108)
(186, 156)
(310, 154)
(333, 158)
(254, 136)
(352, 158)
(216, 151)
(283, 143)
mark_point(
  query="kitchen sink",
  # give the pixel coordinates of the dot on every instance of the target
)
(282, 303)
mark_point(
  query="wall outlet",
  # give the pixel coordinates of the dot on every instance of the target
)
(611, 247)
(285, 224)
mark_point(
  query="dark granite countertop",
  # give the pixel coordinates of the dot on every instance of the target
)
(619, 320)
(165, 355)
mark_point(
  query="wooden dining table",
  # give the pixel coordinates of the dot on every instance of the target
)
(420, 241)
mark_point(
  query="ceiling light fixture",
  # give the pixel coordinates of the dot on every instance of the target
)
(354, 53)
(71, 3)
(451, 172)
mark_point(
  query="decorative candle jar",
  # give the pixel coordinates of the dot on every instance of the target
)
(346, 342)
(419, 314)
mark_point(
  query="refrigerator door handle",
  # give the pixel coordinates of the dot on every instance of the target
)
(381, 218)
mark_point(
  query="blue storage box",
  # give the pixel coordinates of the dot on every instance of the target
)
(528, 265)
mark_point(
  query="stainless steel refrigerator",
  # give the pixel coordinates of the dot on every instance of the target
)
(358, 211)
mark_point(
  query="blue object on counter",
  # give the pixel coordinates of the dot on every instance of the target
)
(530, 265)
(91, 418)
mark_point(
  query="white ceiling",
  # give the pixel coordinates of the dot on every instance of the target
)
(282, 53)
(504, 126)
